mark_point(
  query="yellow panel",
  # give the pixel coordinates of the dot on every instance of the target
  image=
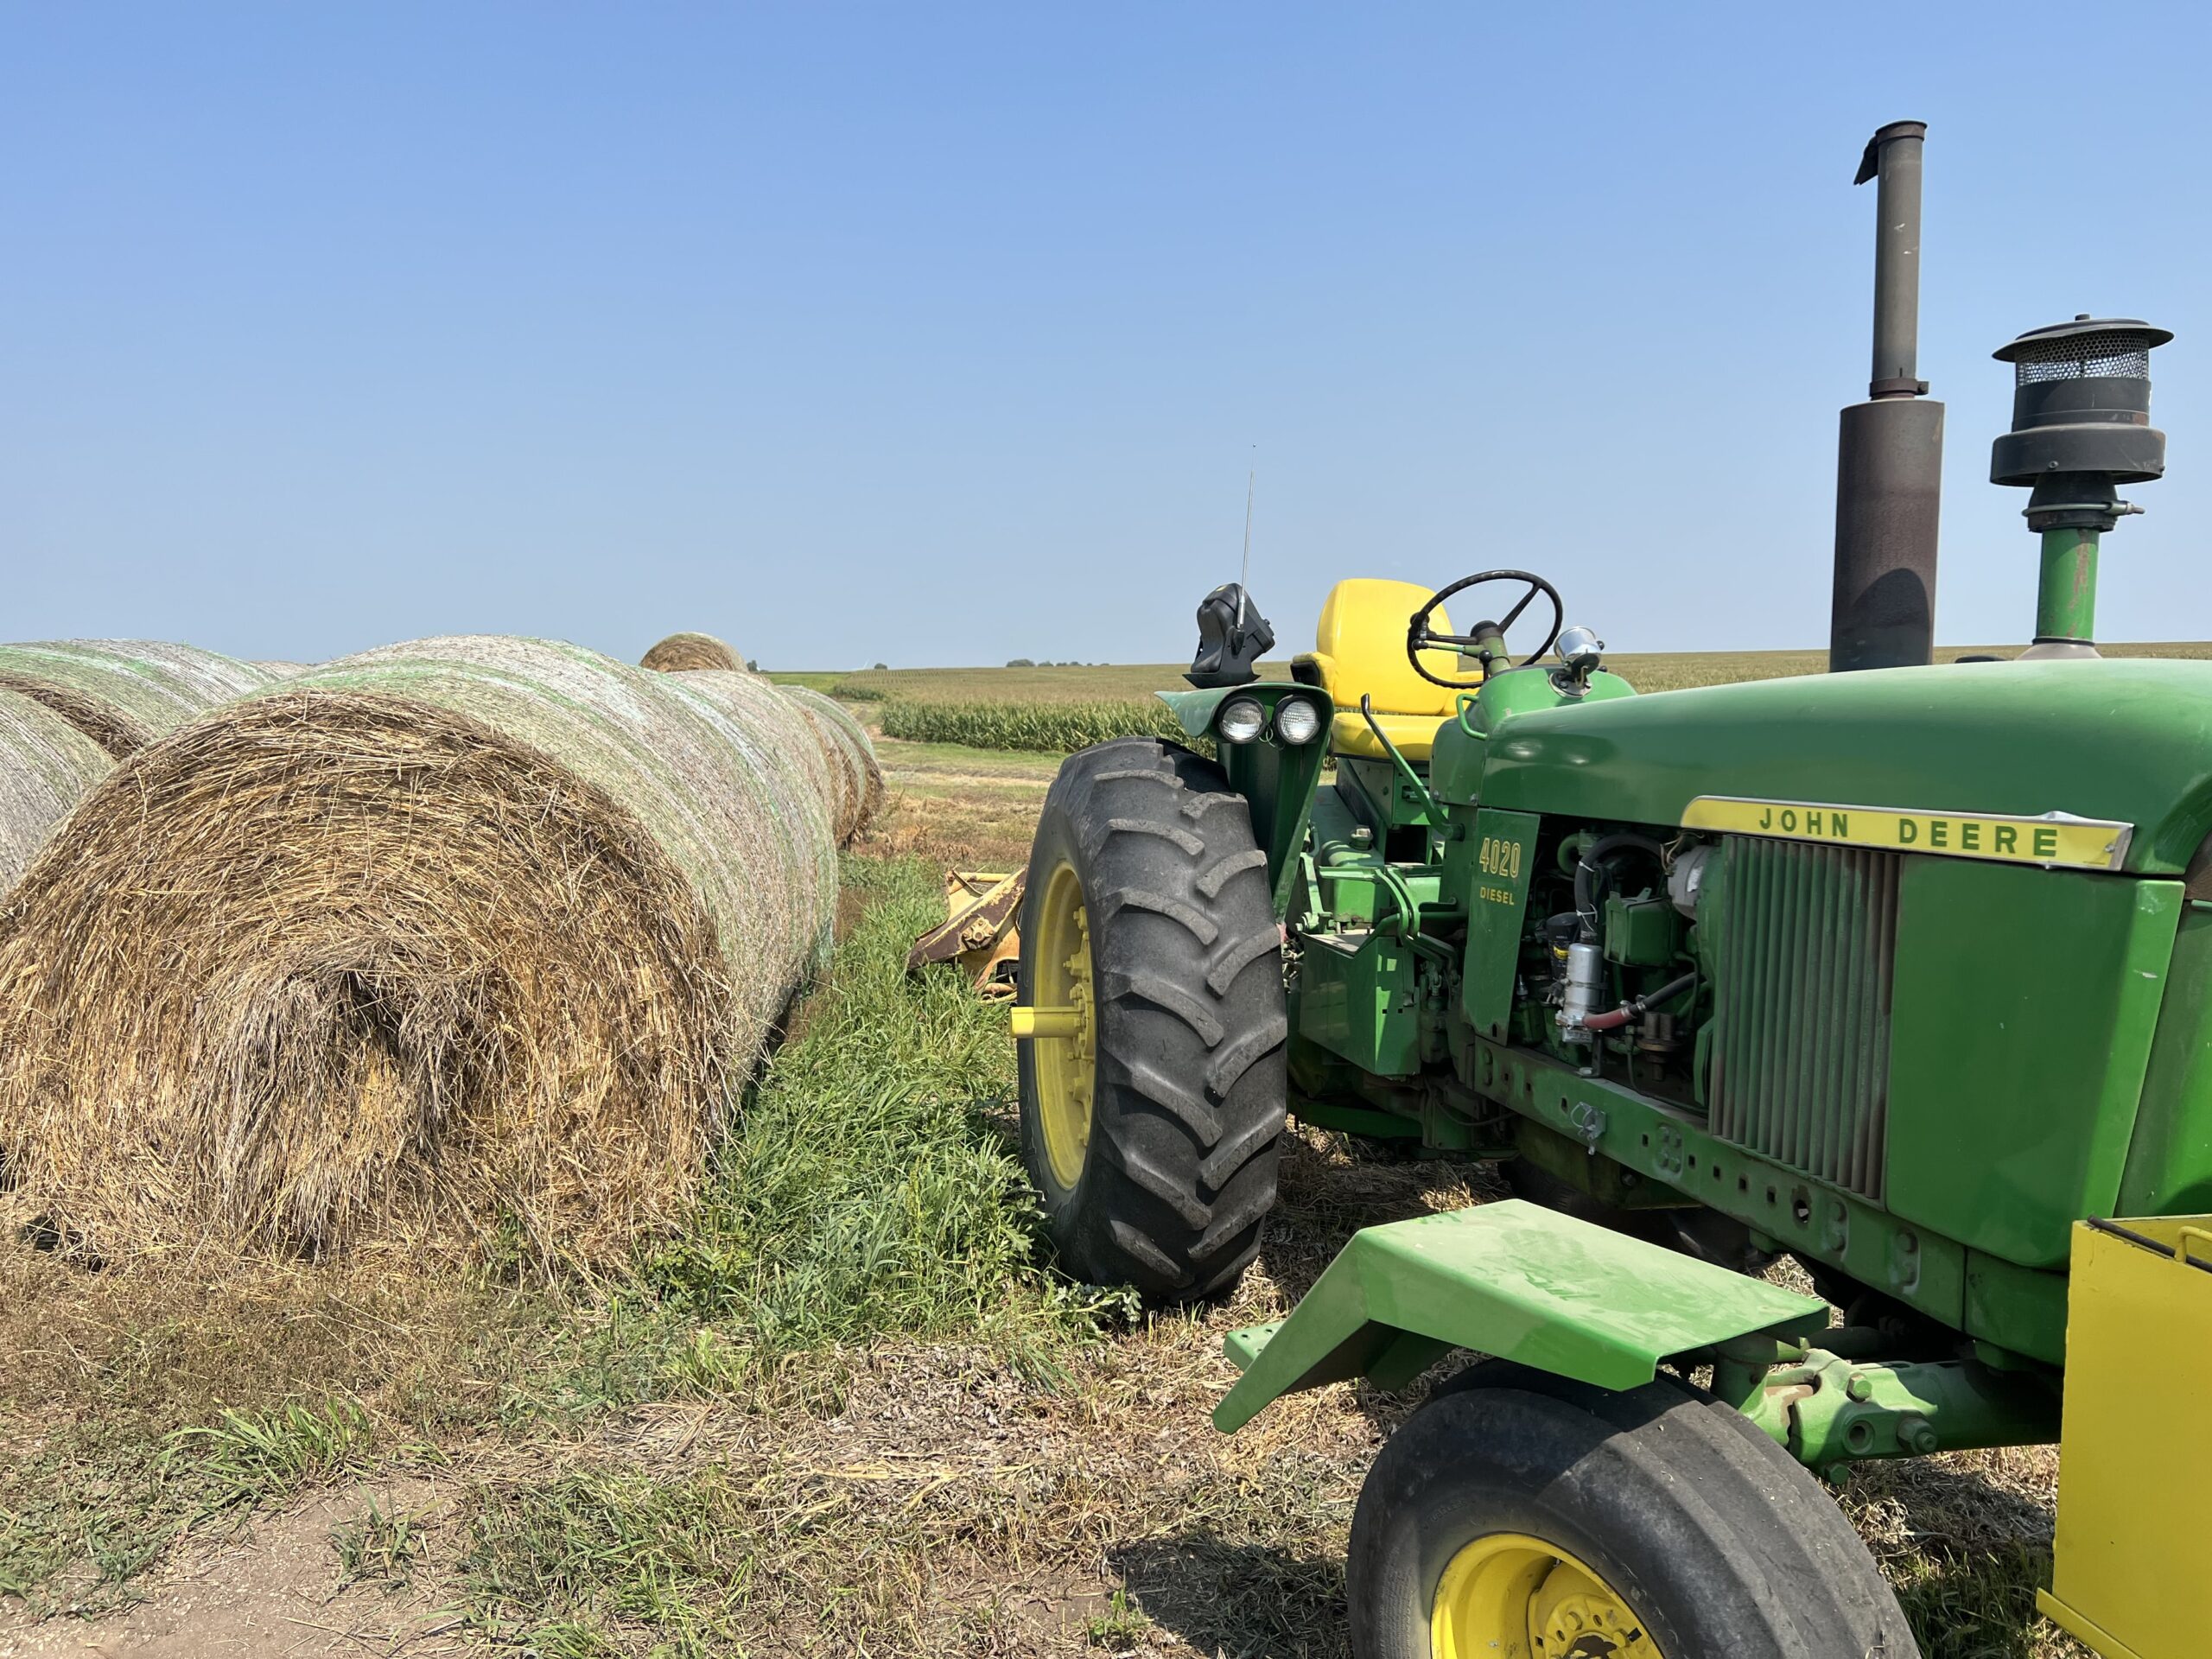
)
(1414, 735)
(2135, 1463)
(1360, 648)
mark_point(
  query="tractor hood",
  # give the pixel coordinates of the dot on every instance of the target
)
(2130, 741)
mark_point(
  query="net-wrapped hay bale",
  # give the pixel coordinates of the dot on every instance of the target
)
(122, 694)
(689, 651)
(279, 668)
(45, 765)
(761, 719)
(457, 944)
(849, 740)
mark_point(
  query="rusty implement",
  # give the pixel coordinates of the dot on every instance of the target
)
(979, 929)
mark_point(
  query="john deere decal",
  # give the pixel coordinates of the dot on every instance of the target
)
(2058, 839)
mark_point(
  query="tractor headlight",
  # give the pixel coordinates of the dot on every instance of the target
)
(1297, 720)
(1240, 720)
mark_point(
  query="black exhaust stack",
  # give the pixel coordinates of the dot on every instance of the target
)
(1889, 478)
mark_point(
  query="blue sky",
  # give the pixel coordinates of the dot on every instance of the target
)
(946, 334)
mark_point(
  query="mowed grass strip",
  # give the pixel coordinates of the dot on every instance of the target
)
(864, 1192)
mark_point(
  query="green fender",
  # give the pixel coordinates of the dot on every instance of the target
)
(1512, 1280)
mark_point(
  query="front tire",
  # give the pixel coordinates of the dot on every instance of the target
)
(1152, 1132)
(1517, 1512)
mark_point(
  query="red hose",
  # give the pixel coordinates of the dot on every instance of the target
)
(1614, 1019)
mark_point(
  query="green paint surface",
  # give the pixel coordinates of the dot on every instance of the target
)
(1460, 753)
(1355, 997)
(2066, 589)
(1513, 1280)
(2123, 740)
(2022, 1018)
(1499, 865)
(2169, 1161)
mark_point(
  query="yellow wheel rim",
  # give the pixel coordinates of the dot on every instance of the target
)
(1510, 1596)
(1064, 1066)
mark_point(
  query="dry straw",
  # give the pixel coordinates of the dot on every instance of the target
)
(122, 694)
(848, 742)
(687, 651)
(460, 944)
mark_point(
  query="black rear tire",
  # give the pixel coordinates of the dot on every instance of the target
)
(1719, 1542)
(1187, 1097)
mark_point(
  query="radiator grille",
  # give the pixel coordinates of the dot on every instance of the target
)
(1802, 1006)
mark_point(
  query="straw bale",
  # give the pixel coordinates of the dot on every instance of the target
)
(762, 720)
(122, 694)
(692, 651)
(464, 942)
(46, 764)
(280, 669)
(849, 740)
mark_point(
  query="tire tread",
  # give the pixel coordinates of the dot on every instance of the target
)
(1188, 1105)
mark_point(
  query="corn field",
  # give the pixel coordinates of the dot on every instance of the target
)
(1041, 728)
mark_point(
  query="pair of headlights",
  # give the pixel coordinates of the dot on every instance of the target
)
(1241, 719)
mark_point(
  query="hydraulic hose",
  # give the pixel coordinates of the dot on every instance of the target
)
(1637, 1006)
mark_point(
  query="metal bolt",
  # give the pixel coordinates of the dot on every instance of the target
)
(1861, 1386)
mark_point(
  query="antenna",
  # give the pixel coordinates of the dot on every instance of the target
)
(1244, 576)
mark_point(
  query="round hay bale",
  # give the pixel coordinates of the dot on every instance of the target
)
(692, 651)
(761, 719)
(283, 670)
(122, 694)
(46, 764)
(864, 776)
(463, 943)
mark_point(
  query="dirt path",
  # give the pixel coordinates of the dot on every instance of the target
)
(267, 1589)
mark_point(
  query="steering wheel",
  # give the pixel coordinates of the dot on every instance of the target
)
(1487, 642)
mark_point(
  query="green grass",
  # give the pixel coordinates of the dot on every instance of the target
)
(863, 1195)
(1121, 1628)
(560, 1567)
(378, 1545)
(1037, 727)
(253, 1455)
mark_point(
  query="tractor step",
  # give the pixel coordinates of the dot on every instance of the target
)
(1511, 1279)
(1243, 1346)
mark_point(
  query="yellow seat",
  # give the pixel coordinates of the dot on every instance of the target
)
(1360, 646)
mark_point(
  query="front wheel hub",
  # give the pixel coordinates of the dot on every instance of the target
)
(1511, 1593)
(1067, 1057)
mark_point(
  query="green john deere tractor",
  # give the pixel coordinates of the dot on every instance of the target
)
(1905, 974)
